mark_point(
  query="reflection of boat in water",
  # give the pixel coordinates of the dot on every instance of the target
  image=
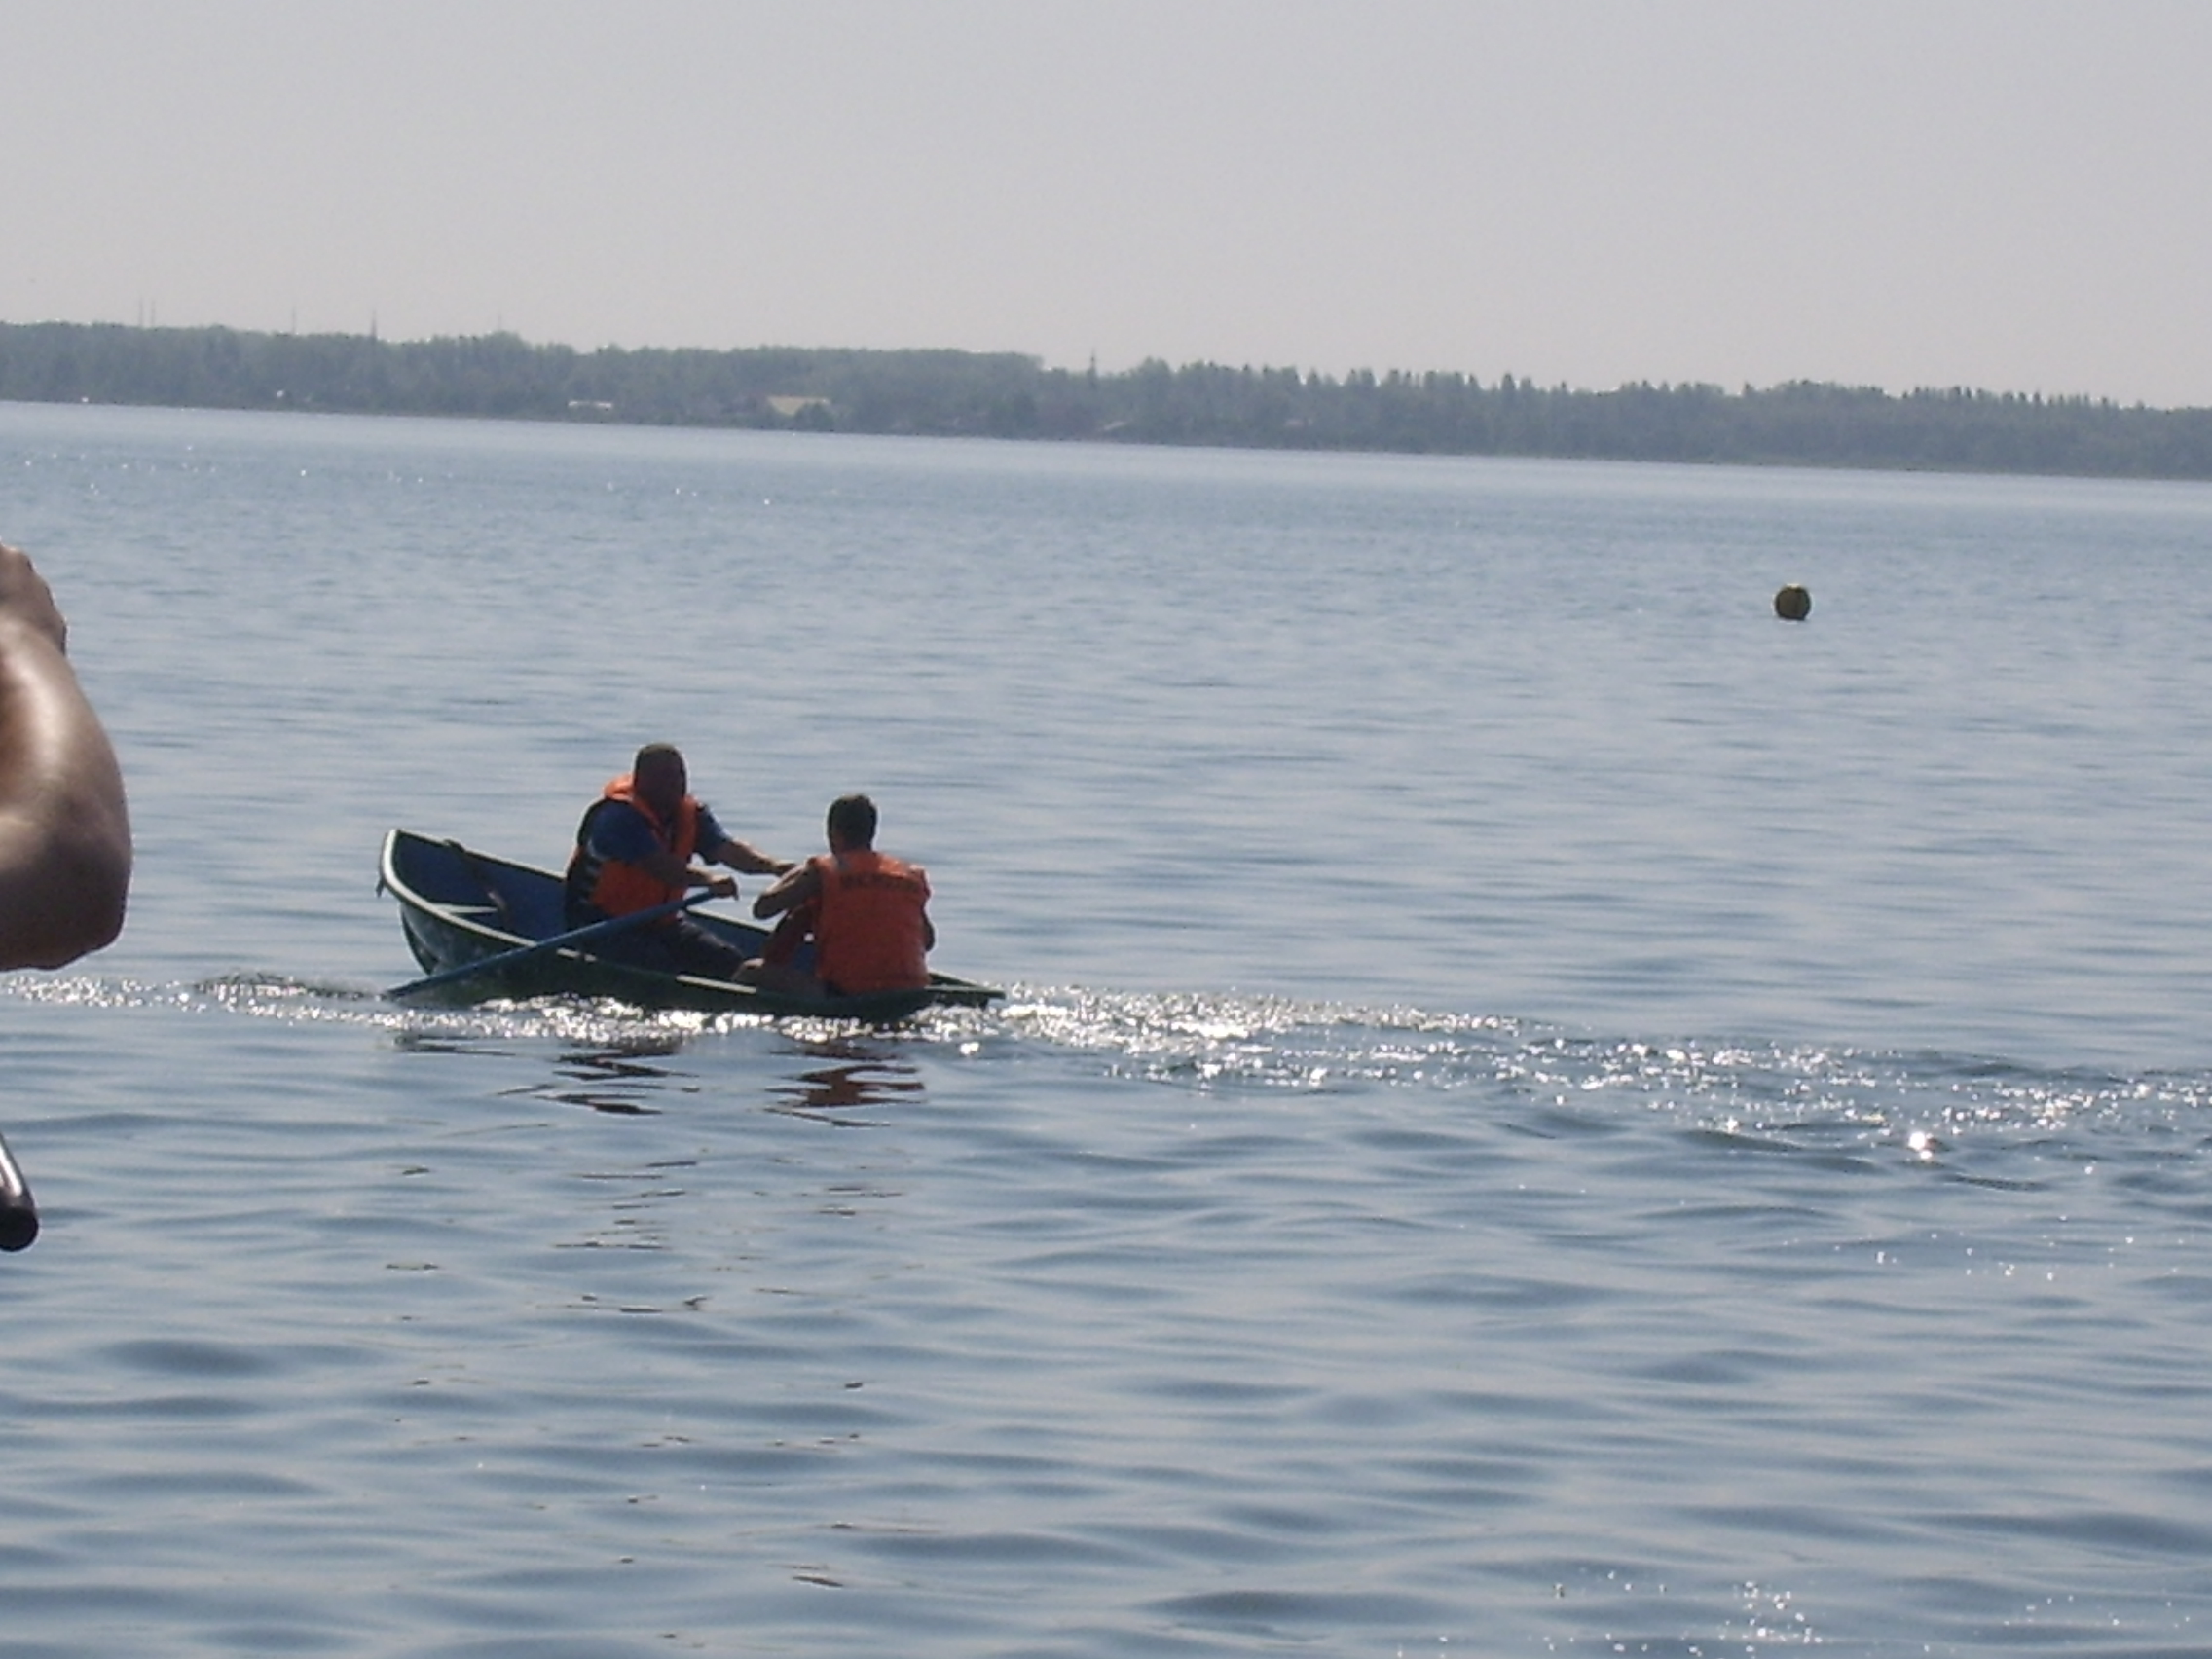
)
(622, 1080)
(856, 1081)
(458, 907)
(639, 1077)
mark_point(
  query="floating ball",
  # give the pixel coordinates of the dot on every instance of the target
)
(1793, 604)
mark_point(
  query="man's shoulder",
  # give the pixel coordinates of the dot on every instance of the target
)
(611, 809)
(616, 827)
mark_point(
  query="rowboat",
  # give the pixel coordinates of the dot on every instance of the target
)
(459, 907)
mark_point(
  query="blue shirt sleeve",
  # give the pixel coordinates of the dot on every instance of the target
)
(711, 833)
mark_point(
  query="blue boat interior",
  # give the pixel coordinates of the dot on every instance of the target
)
(505, 897)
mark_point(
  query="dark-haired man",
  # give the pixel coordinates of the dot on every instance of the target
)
(635, 850)
(867, 912)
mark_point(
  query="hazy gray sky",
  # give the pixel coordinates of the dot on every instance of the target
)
(2008, 193)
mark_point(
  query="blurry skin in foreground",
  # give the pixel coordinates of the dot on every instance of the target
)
(64, 827)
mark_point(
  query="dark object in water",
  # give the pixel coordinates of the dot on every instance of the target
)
(1793, 604)
(19, 1213)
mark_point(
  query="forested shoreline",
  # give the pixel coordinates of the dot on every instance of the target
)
(1010, 395)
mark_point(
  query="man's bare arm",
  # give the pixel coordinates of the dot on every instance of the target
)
(744, 856)
(797, 884)
(64, 827)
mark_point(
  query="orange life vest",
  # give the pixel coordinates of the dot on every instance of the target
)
(613, 887)
(868, 936)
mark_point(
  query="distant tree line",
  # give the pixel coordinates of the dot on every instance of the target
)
(1009, 396)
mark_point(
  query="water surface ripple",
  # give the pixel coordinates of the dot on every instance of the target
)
(1538, 1110)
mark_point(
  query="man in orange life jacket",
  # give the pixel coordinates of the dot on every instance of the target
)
(867, 913)
(634, 849)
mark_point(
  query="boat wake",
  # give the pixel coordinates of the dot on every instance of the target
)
(1776, 1094)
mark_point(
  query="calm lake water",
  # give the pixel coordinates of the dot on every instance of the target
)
(1540, 1108)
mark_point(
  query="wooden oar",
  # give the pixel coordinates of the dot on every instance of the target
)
(18, 1215)
(574, 935)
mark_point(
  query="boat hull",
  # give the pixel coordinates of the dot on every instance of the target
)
(458, 906)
